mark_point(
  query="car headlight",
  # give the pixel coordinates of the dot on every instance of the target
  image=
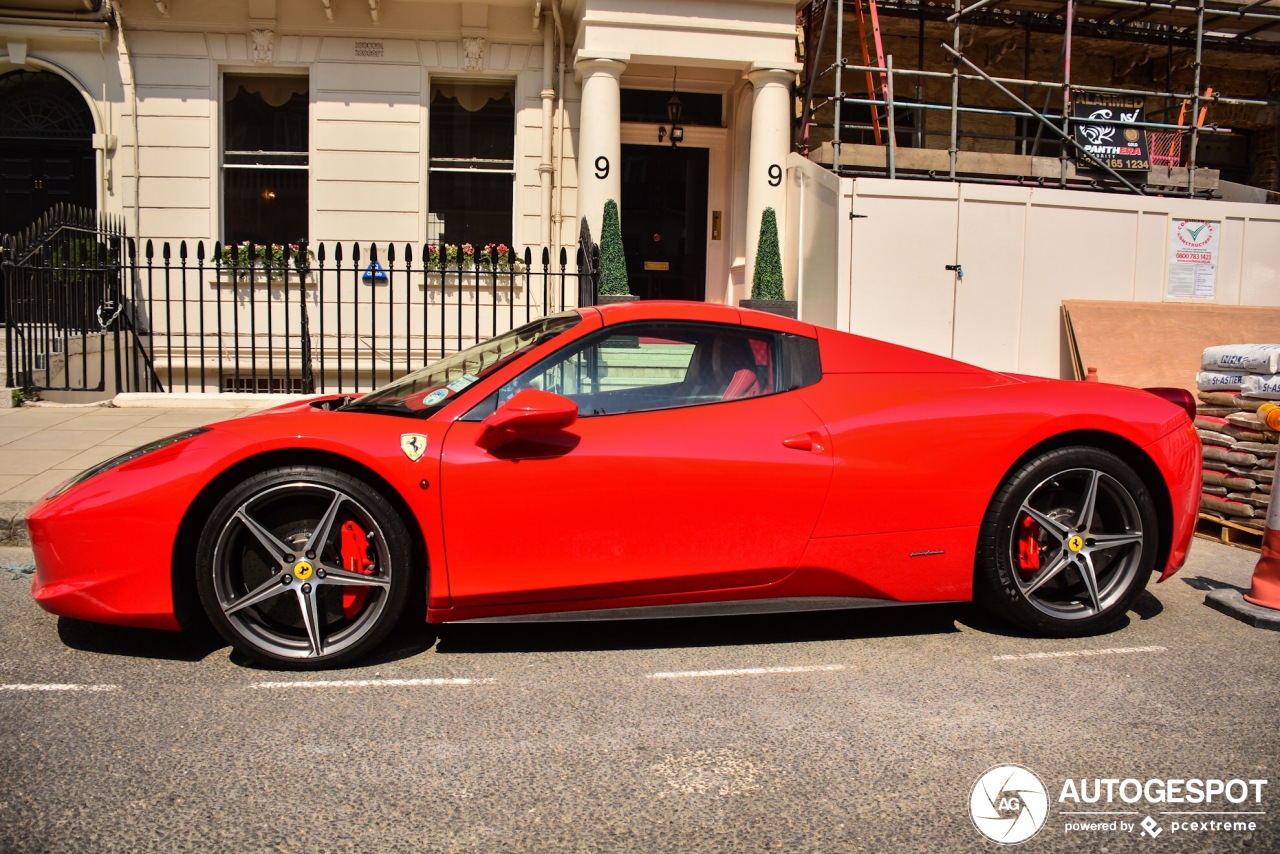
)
(127, 456)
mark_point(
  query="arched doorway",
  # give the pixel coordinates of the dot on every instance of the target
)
(46, 147)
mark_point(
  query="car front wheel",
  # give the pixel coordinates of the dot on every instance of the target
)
(303, 567)
(1068, 543)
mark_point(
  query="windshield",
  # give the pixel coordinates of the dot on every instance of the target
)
(425, 391)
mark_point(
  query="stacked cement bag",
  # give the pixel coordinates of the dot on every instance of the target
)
(1239, 451)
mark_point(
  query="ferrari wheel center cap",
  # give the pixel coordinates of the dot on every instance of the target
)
(1076, 543)
(302, 570)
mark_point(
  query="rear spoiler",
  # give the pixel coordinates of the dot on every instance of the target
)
(1179, 397)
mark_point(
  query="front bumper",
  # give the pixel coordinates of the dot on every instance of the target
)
(104, 547)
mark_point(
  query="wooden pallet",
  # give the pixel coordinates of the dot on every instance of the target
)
(1226, 531)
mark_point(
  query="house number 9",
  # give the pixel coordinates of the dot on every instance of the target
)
(602, 167)
(775, 175)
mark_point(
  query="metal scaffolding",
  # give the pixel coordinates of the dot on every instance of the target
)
(1251, 27)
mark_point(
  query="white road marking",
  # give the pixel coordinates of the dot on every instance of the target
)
(1081, 653)
(372, 683)
(59, 687)
(745, 671)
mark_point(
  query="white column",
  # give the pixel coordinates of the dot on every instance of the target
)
(546, 171)
(599, 140)
(770, 142)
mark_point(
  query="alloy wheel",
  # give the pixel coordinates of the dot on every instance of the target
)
(301, 570)
(1077, 543)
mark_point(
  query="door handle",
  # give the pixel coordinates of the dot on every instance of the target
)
(810, 441)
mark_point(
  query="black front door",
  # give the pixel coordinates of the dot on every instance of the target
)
(36, 176)
(46, 151)
(664, 221)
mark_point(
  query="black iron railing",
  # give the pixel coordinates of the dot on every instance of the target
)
(340, 318)
(64, 305)
(90, 310)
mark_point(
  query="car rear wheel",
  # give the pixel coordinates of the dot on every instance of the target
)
(1068, 543)
(304, 567)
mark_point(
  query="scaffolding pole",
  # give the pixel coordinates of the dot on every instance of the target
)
(888, 96)
(1195, 107)
(1066, 93)
(1103, 90)
(835, 142)
(954, 147)
(1059, 131)
(1061, 125)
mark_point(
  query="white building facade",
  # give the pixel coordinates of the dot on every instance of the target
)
(410, 122)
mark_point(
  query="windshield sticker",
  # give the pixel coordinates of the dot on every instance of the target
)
(435, 397)
(462, 382)
(414, 445)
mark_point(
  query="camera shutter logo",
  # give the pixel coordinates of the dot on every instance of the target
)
(1008, 804)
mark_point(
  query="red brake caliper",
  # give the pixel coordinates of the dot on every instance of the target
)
(1029, 547)
(355, 558)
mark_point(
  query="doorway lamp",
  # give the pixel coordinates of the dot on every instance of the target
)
(674, 110)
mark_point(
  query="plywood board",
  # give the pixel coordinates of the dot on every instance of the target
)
(1147, 344)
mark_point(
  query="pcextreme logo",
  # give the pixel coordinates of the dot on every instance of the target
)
(1010, 804)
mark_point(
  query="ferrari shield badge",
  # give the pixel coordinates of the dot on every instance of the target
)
(414, 445)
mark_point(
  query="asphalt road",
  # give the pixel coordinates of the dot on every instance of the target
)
(854, 731)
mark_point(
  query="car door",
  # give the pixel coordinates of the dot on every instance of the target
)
(682, 473)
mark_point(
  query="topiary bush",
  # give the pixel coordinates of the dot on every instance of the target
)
(766, 279)
(613, 263)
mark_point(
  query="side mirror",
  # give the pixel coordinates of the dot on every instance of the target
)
(527, 413)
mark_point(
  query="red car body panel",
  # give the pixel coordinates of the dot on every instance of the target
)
(870, 483)
(718, 481)
(1177, 455)
(152, 495)
(85, 569)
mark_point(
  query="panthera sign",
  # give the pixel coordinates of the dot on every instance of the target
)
(1108, 127)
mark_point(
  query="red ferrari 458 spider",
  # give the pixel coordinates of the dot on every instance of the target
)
(651, 459)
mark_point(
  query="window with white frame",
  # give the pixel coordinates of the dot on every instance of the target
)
(471, 149)
(264, 158)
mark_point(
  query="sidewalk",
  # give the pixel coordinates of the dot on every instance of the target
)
(43, 445)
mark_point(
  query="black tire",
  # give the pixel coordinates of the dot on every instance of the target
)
(1067, 544)
(279, 593)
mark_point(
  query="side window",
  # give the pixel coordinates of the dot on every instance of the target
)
(801, 363)
(658, 365)
(471, 165)
(265, 158)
